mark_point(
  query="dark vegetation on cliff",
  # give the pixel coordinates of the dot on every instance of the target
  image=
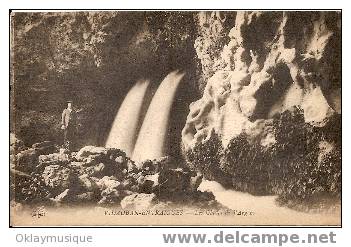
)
(303, 170)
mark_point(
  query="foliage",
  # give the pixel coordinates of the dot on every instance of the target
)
(29, 189)
(206, 158)
(303, 165)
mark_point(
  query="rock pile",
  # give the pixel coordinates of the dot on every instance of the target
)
(104, 176)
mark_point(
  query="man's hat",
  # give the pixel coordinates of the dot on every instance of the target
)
(69, 101)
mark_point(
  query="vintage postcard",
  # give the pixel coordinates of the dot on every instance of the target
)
(175, 118)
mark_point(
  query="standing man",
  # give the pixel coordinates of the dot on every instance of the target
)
(68, 126)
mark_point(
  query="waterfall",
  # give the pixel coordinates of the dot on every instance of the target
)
(152, 136)
(124, 128)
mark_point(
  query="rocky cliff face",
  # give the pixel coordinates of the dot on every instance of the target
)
(271, 101)
(92, 58)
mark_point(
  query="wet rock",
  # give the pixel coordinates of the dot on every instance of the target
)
(119, 160)
(60, 178)
(87, 151)
(100, 162)
(117, 155)
(195, 182)
(129, 184)
(150, 166)
(112, 195)
(91, 155)
(77, 165)
(108, 182)
(27, 160)
(45, 147)
(64, 196)
(69, 197)
(138, 201)
(99, 170)
(16, 145)
(88, 183)
(93, 159)
(203, 199)
(172, 181)
(131, 167)
(79, 168)
(53, 159)
(148, 183)
(313, 115)
(212, 32)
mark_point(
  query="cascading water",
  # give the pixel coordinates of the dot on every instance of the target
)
(124, 129)
(151, 139)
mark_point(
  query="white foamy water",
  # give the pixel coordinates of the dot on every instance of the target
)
(153, 133)
(124, 128)
(265, 209)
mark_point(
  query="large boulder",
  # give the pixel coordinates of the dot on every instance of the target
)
(100, 162)
(148, 183)
(112, 196)
(108, 182)
(59, 178)
(27, 160)
(89, 183)
(173, 181)
(88, 151)
(45, 147)
(53, 159)
(156, 165)
(91, 154)
(102, 169)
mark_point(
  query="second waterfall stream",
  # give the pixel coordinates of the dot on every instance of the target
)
(151, 140)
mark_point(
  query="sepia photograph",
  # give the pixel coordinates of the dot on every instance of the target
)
(175, 118)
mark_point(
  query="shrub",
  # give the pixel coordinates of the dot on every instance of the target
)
(302, 167)
(205, 158)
